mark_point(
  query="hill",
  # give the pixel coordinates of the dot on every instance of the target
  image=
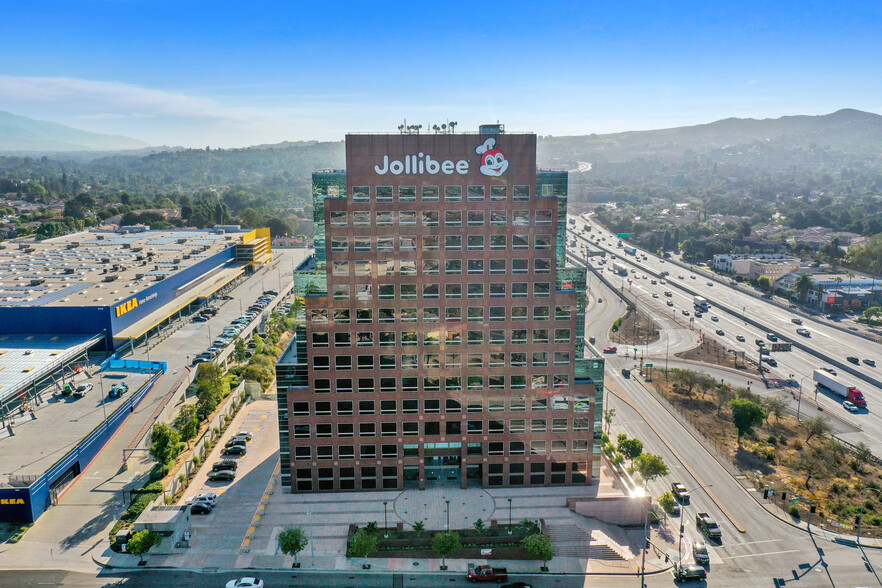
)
(21, 134)
(847, 132)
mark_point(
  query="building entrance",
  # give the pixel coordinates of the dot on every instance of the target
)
(442, 470)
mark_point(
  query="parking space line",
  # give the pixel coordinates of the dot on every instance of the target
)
(261, 508)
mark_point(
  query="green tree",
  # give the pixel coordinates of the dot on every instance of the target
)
(164, 442)
(650, 466)
(630, 448)
(142, 542)
(479, 527)
(705, 382)
(746, 415)
(803, 285)
(363, 543)
(419, 528)
(724, 394)
(816, 426)
(608, 416)
(210, 386)
(538, 546)
(764, 282)
(187, 422)
(775, 405)
(445, 544)
(688, 378)
(239, 349)
(667, 501)
(292, 541)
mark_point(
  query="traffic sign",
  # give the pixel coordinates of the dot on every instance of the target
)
(648, 365)
(794, 499)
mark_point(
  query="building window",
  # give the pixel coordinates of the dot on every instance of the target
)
(476, 193)
(476, 290)
(453, 360)
(516, 448)
(519, 313)
(407, 219)
(452, 405)
(453, 193)
(497, 266)
(497, 359)
(302, 453)
(407, 193)
(344, 385)
(498, 242)
(389, 429)
(345, 430)
(320, 339)
(498, 193)
(408, 291)
(453, 218)
(384, 193)
(542, 242)
(410, 428)
(543, 217)
(367, 451)
(431, 242)
(520, 266)
(541, 289)
(364, 315)
(453, 267)
(542, 265)
(517, 426)
(453, 242)
(476, 218)
(346, 452)
(430, 193)
(475, 242)
(343, 362)
(324, 452)
(475, 427)
(537, 447)
(321, 362)
(385, 219)
(520, 242)
(521, 193)
(386, 292)
(366, 362)
(476, 314)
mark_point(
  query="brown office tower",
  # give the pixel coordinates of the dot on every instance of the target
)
(443, 338)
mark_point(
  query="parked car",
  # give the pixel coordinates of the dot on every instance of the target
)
(118, 390)
(240, 441)
(200, 319)
(245, 583)
(82, 390)
(226, 297)
(849, 406)
(209, 497)
(235, 450)
(244, 434)
(222, 475)
(225, 464)
(201, 508)
(271, 293)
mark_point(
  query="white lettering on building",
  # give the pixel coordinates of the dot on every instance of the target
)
(421, 164)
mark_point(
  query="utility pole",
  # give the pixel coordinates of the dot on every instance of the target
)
(645, 548)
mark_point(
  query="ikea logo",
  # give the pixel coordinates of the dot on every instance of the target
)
(126, 307)
(8, 501)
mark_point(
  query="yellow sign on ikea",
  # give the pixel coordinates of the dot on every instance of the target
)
(9, 501)
(126, 307)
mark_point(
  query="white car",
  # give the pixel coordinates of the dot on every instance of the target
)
(245, 583)
(654, 295)
(209, 497)
(849, 406)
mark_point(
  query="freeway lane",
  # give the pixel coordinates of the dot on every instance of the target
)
(796, 364)
(842, 343)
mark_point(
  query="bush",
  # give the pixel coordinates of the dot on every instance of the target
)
(838, 487)
(772, 440)
(794, 511)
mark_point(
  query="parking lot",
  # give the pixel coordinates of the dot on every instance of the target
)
(224, 529)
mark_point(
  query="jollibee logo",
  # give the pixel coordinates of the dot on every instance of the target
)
(493, 162)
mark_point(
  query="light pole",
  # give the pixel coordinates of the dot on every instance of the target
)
(645, 548)
(799, 401)
(861, 517)
(509, 516)
(101, 381)
(385, 521)
(448, 515)
(241, 312)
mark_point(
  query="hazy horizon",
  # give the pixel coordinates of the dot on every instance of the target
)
(234, 78)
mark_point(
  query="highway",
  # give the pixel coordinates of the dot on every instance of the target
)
(769, 548)
(796, 365)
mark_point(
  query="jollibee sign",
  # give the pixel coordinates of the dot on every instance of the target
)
(493, 163)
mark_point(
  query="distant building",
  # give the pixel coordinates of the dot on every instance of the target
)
(752, 266)
(836, 291)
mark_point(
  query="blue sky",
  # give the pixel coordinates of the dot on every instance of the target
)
(243, 73)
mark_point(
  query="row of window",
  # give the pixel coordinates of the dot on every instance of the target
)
(474, 290)
(391, 450)
(435, 218)
(429, 193)
(390, 429)
(343, 477)
(451, 314)
(494, 359)
(403, 243)
(432, 267)
(433, 405)
(449, 337)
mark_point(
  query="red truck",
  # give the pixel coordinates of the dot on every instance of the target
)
(839, 386)
(488, 574)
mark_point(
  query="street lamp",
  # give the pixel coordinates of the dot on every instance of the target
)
(861, 517)
(448, 514)
(683, 523)
(385, 521)
(799, 401)
(509, 516)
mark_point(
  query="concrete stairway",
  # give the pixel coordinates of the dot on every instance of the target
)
(570, 540)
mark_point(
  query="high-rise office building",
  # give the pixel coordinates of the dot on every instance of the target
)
(443, 337)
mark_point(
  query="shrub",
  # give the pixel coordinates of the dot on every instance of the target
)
(838, 487)
(796, 444)
(794, 511)
(772, 440)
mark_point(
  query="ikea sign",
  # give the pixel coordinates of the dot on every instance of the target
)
(9, 501)
(126, 307)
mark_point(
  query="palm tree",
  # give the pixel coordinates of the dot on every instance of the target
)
(803, 285)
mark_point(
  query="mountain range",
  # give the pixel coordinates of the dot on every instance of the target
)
(22, 134)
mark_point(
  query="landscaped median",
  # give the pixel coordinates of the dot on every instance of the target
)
(525, 541)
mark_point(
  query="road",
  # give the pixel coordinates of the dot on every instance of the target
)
(796, 365)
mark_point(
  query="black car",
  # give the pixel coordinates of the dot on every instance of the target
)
(222, 475)
(225, 464)
(200, 508)
(235, 450)
(236, 441)
(853, 360)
